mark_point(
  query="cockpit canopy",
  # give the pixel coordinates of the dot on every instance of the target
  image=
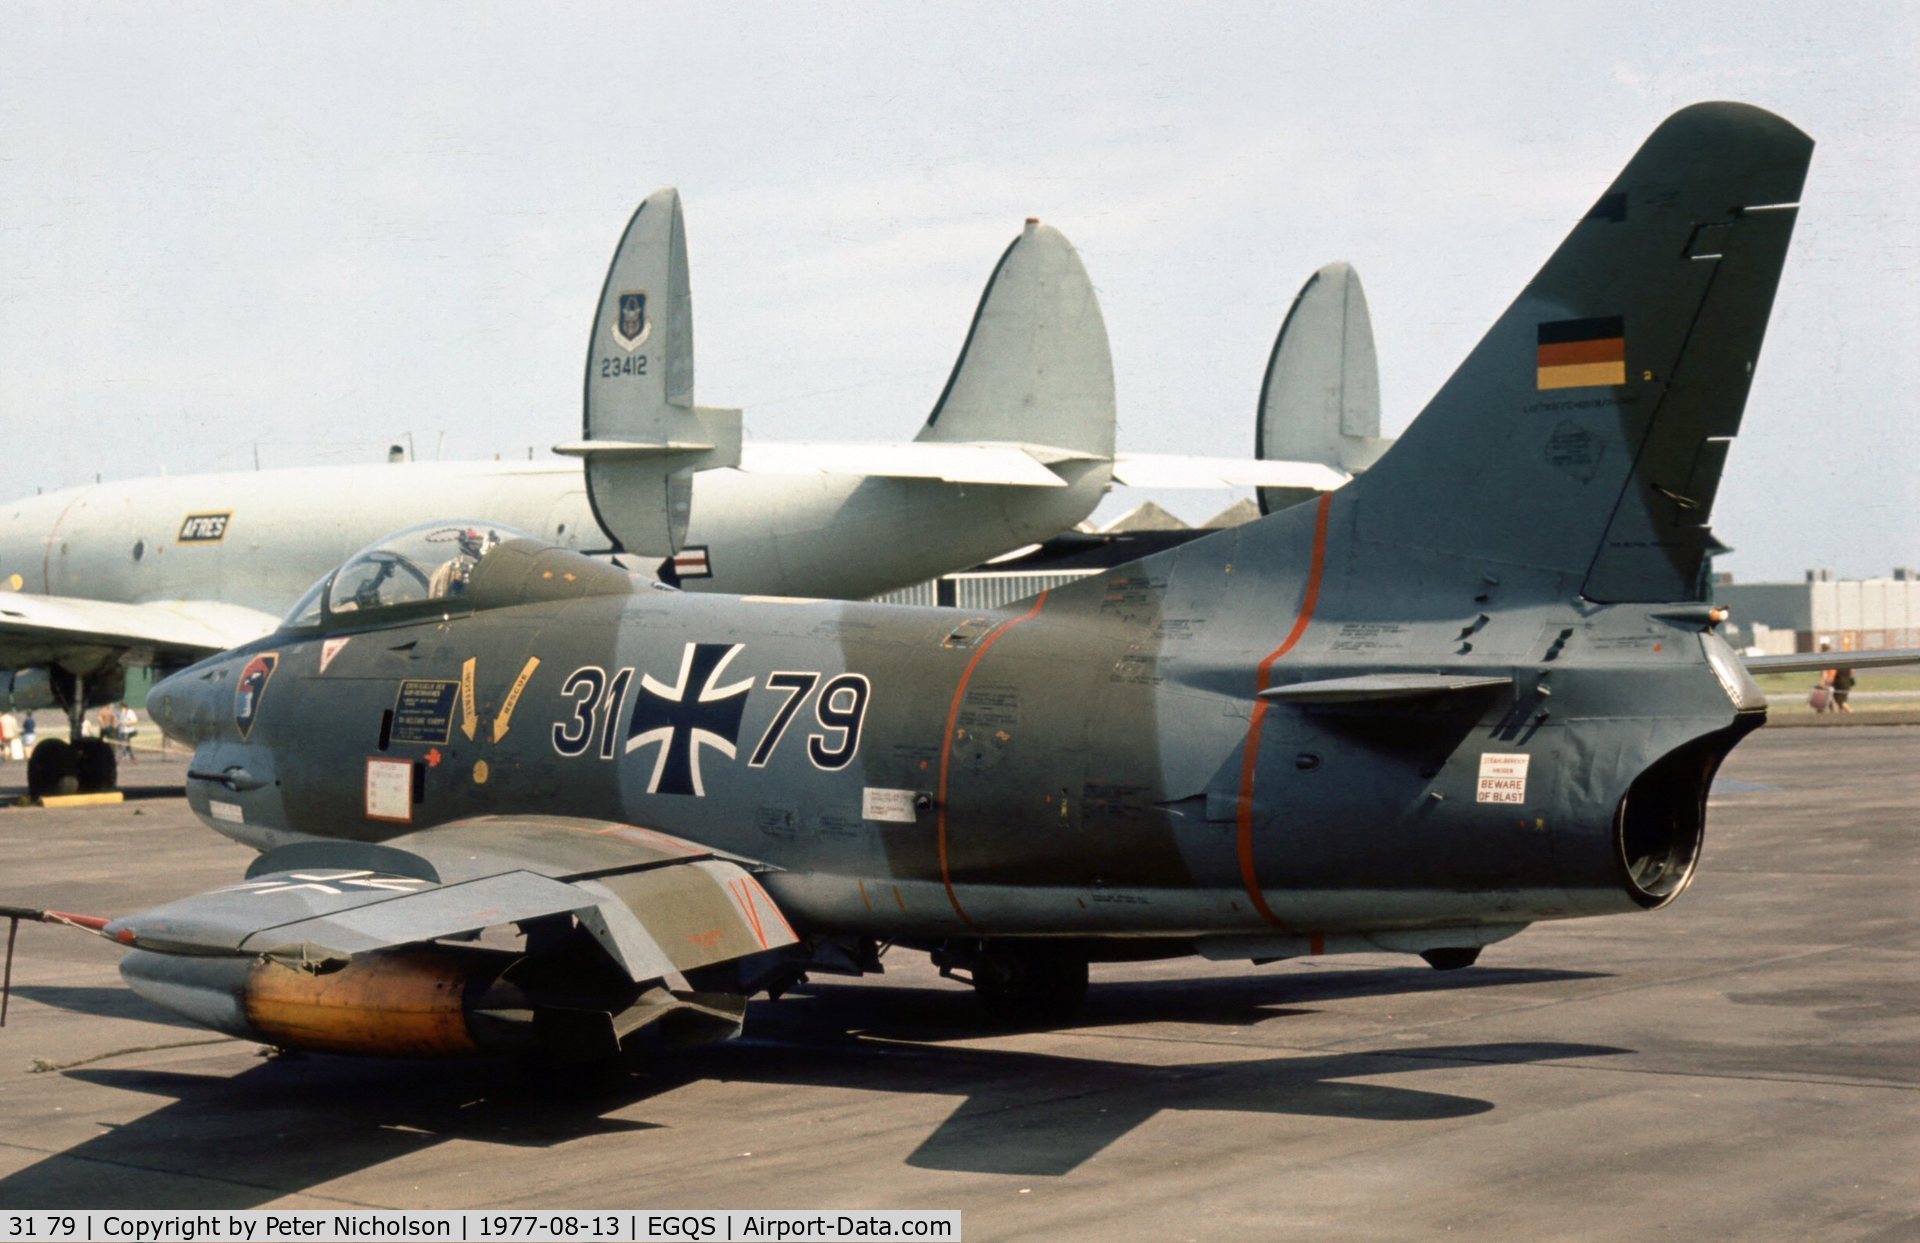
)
(451, 566)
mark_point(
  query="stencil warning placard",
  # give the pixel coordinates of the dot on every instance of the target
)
(390, 790)
(895, 806)
(1503, 778)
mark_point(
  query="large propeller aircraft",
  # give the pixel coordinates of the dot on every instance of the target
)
(1019, 446)
(510, 797)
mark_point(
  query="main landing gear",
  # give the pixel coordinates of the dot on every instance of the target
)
(80, 766)
(1019, 983)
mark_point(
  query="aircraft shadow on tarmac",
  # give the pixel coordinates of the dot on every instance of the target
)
(907, 1013)
(291, 1124)
(161, 780)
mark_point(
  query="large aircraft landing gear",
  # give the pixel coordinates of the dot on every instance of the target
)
(96, 767)
(76, 764)
(53, 768)
(1019, 983)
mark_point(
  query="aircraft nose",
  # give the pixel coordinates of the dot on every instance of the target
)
(170, 706)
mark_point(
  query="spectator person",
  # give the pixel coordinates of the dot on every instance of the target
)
(129, 725)
(29, 732)
(1840, 679)
(9, 736)
(1837, 682)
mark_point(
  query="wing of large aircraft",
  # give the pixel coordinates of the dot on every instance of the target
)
(84, 636)
(609, 920)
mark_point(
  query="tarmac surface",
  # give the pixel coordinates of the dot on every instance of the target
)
(1744, 1064)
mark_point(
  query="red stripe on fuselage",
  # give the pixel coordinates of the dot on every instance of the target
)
(1243, 813)
(946, 747)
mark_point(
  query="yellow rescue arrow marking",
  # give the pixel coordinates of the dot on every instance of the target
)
(469, 719)
(502, 722)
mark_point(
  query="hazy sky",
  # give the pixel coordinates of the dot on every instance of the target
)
(304, 231)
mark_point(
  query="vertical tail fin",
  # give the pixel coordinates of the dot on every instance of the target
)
(1035, 368)
(644, 435)
(1320, 401)
(1585, 434)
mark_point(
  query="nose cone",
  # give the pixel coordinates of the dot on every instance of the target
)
(171, 705)
(163, 707)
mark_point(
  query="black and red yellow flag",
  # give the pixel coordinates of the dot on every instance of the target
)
(1578, 353)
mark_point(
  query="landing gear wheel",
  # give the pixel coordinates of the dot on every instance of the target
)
(1031, 986)
(1452, 958)
(53, 768)
(96, 767)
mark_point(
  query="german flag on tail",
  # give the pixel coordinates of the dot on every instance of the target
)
(1579, 353)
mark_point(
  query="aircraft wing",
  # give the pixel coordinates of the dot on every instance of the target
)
(955, 462)
(1172, 470)
(657, 904)
(1815, 662)
(85, 634)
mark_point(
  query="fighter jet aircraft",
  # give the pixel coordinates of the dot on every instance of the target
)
(509, 798)
(1018, 447)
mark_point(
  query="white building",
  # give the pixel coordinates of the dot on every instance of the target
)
(1851, 615)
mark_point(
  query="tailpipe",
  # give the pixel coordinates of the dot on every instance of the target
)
(1661, 820)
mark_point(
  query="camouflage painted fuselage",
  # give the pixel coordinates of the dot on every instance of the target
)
(1094, 762)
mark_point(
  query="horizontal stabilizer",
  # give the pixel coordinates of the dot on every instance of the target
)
(1381, 688)
(1014, 465)
(1173, 470)
(631, 448)
(1815, 662)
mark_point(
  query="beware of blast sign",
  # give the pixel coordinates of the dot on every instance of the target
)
(1503, 779)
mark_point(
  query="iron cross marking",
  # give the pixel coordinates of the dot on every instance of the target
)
(696, 711)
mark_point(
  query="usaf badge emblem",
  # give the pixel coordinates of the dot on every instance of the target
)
(631, 327)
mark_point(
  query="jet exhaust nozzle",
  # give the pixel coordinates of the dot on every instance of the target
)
(1661, 820)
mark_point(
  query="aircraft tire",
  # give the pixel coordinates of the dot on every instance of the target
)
(53, 768)
(1031, 985)
(95, 765)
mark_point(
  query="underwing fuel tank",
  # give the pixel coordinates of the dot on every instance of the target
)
(420, 1001)
(425, 1001)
